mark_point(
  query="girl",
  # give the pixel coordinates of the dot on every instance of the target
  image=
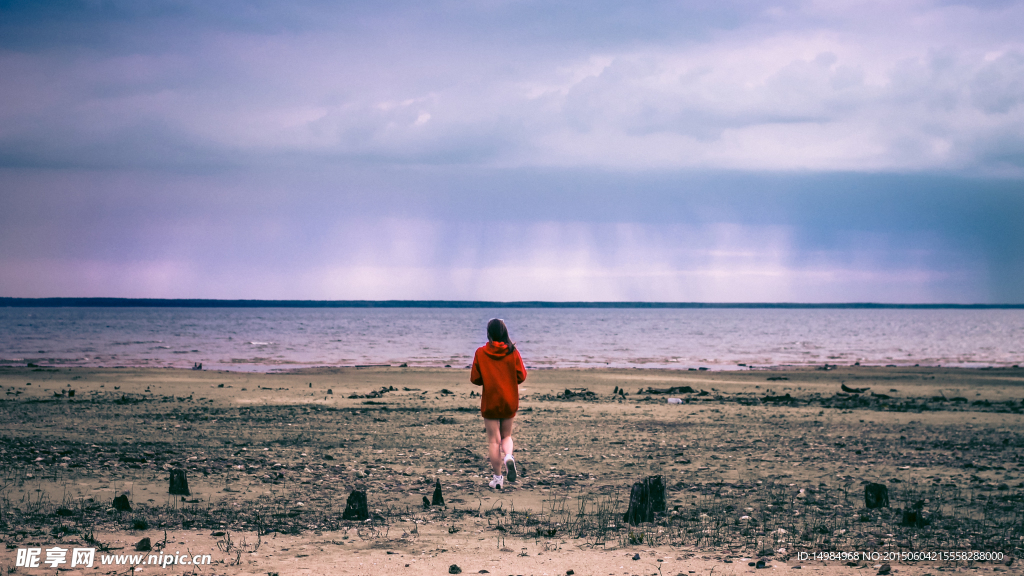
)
(498, 367)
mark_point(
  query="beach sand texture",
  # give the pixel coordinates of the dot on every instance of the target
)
(757, 464)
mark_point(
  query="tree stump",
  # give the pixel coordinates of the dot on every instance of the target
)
(121, 503)
(355, 507)
(179, 483)
(645, 499)
(876, 496)
(914, 516)
(438, 498)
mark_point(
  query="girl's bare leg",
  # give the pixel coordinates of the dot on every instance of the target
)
(506, 437)
(494, 442)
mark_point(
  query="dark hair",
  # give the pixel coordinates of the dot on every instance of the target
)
(498, 332)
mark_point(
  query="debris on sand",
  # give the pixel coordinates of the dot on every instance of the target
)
(356, 507)
(876, 495)
(571, 394)
(784, 398)
(374, 393)
(849, 390)
(646, 498)
(672, 390)
(583, 393)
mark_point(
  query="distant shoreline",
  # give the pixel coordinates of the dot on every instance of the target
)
(9, 302)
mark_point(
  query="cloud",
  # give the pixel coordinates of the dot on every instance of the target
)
(803, 150)
(801, 86)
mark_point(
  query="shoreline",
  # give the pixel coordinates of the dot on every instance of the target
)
(300, 368)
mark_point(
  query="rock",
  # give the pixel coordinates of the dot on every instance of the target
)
(876, 496)
(636, 556)
(144, 545)
(438, 497)
(884, 569)
(645, 499)
(426, 502)
(569, 572)
(179, 483)
(121, 503)
(454, 569)
(849, 390)
(760, 564)
(356, 507)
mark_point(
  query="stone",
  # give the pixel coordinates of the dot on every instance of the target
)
(179, 483)
(646, 498)
(876, 496)
(356, 507)
(426, 502)
(144, 545)
(884, 569)
(454, 569)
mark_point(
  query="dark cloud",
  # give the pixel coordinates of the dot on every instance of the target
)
(665, 150)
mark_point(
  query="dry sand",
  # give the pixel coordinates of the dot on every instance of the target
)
(271, 459)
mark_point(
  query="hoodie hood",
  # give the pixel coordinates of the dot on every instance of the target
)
(496, 350)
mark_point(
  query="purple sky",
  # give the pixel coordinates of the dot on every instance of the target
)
(671, 151)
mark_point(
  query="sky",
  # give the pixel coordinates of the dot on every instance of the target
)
(786, 151)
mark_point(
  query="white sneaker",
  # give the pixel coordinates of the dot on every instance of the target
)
(497, 481)
(510, 468)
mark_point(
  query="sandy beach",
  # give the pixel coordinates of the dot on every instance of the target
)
(766, 465)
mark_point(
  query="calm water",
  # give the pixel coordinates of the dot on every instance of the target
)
(264, 339)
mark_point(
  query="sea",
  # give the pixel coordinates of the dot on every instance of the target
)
(279, 339)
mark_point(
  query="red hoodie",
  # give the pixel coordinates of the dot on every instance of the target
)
(500, 373)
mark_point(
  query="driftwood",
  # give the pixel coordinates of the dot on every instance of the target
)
(672, 390)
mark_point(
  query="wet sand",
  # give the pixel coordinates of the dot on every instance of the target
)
(758, 464)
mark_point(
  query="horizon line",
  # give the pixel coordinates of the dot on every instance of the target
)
(109, 302)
